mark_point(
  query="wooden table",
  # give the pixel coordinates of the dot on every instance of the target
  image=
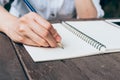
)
(16, 64)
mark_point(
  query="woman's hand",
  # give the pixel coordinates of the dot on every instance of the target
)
(31, 29)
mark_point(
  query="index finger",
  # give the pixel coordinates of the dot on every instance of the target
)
(47, 26)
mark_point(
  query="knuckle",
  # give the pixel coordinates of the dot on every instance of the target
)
(24, 18)
(32, 13)
(21, 39)
(28, 16)
(22, 29)
(48, 26)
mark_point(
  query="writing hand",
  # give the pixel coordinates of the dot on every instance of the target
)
(32, 29)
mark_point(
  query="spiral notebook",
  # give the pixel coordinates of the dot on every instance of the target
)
(80, 38)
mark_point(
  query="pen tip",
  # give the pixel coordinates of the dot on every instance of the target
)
(60, 45)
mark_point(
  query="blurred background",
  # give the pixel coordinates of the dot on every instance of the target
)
(111, 8)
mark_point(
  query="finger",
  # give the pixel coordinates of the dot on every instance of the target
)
(29, 42)
(48, 26)
(41, 31)
(27, 32)
(55, 34)
(20, 39)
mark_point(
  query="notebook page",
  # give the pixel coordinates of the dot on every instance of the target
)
(100, 31)
(73, 47)
(113, 20)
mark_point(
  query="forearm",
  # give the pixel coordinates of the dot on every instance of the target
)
(5, 18)
(85, 9)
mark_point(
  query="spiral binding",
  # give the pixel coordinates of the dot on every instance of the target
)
(85, 37)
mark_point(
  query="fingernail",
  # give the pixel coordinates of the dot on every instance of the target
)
(58, 38)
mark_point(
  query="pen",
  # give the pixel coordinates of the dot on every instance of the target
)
(60, 45)
(29, 6)
(33, 10)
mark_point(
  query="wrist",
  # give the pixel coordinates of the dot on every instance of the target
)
(6, 19)
(10, 20)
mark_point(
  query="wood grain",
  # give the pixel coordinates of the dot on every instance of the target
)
(10, 68)
(99, 67)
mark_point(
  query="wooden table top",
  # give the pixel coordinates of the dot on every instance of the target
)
(10, 66)
(16, 64)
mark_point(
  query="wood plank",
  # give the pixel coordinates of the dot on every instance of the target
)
(10, 68)
(102, 67)
(52, 70)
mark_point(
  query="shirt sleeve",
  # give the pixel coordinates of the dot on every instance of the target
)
(3, 2)
(100, 12)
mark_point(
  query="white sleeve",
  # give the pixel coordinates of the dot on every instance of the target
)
(3, 2)
(100, 12)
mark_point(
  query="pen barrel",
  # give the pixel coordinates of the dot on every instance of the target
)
(60, 45)
(29, 6)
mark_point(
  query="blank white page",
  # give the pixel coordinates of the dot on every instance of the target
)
(101, 31)
(73, 47)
